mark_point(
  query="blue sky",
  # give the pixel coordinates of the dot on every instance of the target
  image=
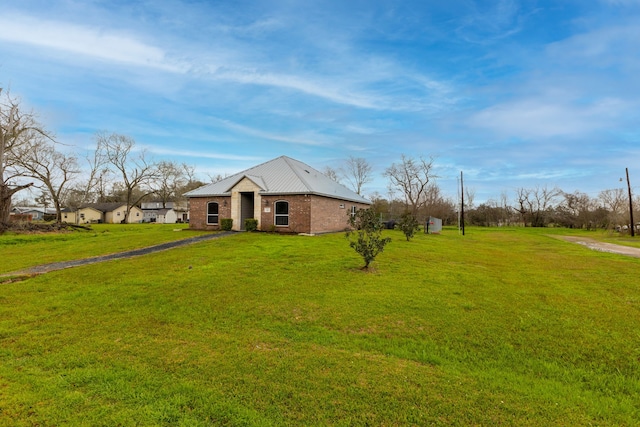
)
(513, 93)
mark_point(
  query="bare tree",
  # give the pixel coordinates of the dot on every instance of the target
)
(331, 173)
(412, 176)
(170, 178)
(131, 165)
(94, 188)
(469, 197)
(37, 158)
(615, 201)
(357, 171)
(215, 178)
(534, 204)
(16, 128)
(522, 200)
(577, 210)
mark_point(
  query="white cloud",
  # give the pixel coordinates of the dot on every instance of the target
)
(331, 92)
(198, 154)
(311, 139)
(544, 117)
(84, 40)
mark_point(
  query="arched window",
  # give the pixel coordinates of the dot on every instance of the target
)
(212, 213)
(282, 213)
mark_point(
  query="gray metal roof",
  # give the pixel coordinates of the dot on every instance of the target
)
(282, 175)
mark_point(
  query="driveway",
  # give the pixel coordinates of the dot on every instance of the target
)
(45, 268)
(602, 247)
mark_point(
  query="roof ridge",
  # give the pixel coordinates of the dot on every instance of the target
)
(295, 171)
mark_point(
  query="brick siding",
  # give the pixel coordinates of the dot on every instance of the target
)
(198, 212)
(307, 213)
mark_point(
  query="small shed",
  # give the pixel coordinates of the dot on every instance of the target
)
(433, 225)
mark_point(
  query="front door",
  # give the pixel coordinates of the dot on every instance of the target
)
(246, 207)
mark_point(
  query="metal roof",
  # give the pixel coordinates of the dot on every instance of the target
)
(282, 175)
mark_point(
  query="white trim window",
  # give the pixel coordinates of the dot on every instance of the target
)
(281, 215)
(354, 209)
(212, 213)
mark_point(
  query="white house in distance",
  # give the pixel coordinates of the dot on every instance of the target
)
(171, 213)
(108, 213)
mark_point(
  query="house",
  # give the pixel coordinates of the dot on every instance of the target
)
(36, 213)
(167, 216)
(152, 209)
(110, 213)
(283, 194)
(69, 216)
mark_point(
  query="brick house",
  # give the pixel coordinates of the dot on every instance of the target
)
(283, 194)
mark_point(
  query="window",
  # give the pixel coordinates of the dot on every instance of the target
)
(353, 211)
(212, 213)
(282, 214)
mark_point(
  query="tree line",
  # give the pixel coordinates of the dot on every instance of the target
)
(116, 170)
(119, 171)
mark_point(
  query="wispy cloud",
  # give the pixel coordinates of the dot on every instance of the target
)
(544, 117)
(198, 154)
(310, 139)
(497, 21)
(88, 41)
(360, 82)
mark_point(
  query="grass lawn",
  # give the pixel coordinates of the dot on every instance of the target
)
(19, 251)
(501, 326)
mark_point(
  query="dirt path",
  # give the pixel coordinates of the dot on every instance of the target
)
(601, 246)
(45, 268)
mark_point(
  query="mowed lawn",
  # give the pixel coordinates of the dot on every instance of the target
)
(18, 251)
(498, 327)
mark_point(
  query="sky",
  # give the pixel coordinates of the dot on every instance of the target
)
(513, 94)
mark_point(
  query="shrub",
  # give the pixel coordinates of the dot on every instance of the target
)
(250, 224)
(408, 224)
(366, 236)
(226, 224)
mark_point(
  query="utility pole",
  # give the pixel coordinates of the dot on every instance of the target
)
(462, 203)
(633, 226)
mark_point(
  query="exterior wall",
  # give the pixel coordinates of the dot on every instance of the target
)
(307, 213)
(198, 212)
(299, 214)
(88, 215)
(135, 215)
(117, 215)
(169, 217)
(331, 215)
(149, 215)
(69, 217)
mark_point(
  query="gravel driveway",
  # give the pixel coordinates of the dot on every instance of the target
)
(602, 247)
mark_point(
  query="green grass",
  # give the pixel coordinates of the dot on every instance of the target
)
(506, 327)
(25, 250)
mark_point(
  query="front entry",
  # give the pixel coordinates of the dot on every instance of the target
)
(246, 207)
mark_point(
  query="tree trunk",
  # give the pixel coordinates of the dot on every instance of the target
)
(5, 206)
(5, 202)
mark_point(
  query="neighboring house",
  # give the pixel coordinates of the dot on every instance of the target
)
(109, 213)
(167, 216)
(283, 194)
(69, 216)
(152, 209)
(37, 213)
